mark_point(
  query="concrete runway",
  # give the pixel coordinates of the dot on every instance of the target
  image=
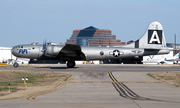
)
(104, 86)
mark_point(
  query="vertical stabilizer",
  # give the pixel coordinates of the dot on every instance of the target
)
(153, 38)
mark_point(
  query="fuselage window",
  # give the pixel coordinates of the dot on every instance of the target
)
(21, 46)
(101, 53)
(33, 48)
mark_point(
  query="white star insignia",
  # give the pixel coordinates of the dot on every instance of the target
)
(116, 53)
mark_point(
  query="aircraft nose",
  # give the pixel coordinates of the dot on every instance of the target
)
(14, 50)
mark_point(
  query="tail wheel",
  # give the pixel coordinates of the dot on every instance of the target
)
(71, 64)
(15, 64)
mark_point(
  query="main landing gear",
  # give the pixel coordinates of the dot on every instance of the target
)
(15, 64)
(71, 64)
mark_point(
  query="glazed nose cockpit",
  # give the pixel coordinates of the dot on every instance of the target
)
(15, 50)
(19, 51)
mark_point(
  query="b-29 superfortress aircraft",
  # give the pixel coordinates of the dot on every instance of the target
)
(151, 43)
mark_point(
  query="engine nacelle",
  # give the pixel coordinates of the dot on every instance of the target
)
(52, 50)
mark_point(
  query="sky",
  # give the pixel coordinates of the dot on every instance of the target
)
(27, 21)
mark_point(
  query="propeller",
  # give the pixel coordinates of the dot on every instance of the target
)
(47, 48)
(44, 46)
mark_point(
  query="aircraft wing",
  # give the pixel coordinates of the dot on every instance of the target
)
(72, 51)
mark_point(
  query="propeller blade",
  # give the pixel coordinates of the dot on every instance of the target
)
(44, 45)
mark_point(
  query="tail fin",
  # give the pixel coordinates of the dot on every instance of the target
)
(153, 38)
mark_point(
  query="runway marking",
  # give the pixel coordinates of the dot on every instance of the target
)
(112, 82)
(125, 92)
(93, 82)
(122, 89)
(57, 88)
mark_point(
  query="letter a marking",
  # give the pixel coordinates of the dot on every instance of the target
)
(154, 37)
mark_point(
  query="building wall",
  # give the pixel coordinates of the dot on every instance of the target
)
(92, 36)
(5, 54)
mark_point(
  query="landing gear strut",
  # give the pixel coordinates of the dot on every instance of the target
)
(71, 64)
(15, 64)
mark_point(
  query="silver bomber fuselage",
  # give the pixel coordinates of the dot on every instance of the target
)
(91, 53)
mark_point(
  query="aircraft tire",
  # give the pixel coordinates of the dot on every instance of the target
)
(71, 64)
(15, 64)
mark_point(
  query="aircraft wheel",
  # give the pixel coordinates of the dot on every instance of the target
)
(71, 64)
(15, 64)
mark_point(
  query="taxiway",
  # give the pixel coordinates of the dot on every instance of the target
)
(104, 86)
